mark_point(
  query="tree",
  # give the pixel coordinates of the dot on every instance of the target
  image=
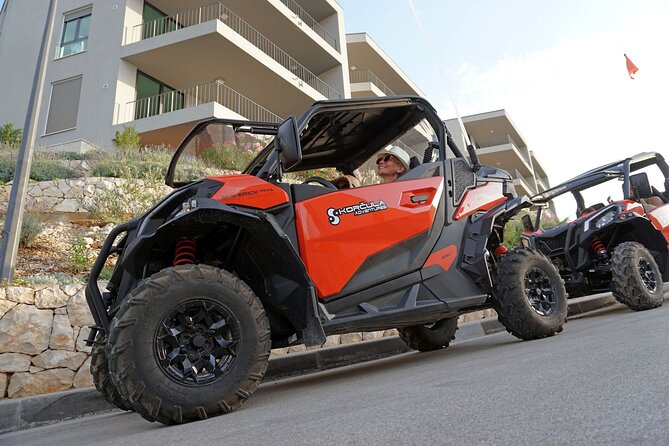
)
(10, 135)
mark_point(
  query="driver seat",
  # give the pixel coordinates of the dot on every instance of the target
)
(642, 192)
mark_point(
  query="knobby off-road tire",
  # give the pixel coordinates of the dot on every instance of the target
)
(101, 379)
(637, 281)
(530, 298)
(430, 337)
(189, 343)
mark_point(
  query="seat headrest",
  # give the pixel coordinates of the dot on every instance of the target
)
(639, 186)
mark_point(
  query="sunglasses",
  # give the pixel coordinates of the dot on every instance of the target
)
(384, 158)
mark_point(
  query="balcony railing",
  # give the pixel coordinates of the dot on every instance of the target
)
(369, 76)
(218, 11)
(528, 181)
(311, 23)
(495, 141)
(197, 95)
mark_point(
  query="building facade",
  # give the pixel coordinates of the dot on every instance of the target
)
(164, 65)
(499, 143)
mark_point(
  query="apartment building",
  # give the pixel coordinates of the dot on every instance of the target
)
(499, 143)
(163, 65)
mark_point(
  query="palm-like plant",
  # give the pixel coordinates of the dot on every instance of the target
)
(10, 135)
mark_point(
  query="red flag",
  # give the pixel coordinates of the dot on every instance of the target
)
(631, 68)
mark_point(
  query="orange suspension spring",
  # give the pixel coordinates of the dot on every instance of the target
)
(597, 246)
(184, 253)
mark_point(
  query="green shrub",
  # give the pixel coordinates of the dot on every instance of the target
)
(10, 135)
(80, 256)
(131, 198)
(515, 227)
(41, 170)
(128, 168)
(76, 156)
(45, 170)
(31, 227)
(128, 139)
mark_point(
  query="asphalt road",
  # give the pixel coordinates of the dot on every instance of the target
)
(604, 380)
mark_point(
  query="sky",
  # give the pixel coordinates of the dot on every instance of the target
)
(557, 67)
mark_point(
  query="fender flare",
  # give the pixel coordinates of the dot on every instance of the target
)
(290, 289)
(478, 232)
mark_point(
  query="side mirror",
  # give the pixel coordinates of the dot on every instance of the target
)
(287, 144)
(476, 165)
(527, 223)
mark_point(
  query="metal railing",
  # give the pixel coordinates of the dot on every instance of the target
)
(311, 23)
(218, 11)
(197, 95)
(495, 141)
(369, 76)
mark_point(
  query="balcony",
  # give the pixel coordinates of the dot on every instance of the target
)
(186, 107)
(523, 185)
(311, 23)
(365, 83)
(213, 42)
(503, 151)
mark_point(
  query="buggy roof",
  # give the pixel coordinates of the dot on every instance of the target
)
(600, 175)
(346, 133)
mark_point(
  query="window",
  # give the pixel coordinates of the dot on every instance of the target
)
(64, 105)
(155, 22)
(75, 33)
(155, 97)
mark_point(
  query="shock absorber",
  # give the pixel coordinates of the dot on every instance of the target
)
(184, 252)
(598, 247)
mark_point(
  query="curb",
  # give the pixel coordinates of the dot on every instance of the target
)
(33, 411)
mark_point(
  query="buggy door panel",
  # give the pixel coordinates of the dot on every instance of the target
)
(354, 238)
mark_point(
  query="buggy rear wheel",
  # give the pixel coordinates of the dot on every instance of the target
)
(637, 281)
(530, 298)
(189, 343)
(430, 337)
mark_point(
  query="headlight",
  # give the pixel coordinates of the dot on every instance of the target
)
(603, 219)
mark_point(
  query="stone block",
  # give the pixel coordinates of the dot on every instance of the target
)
(47, 381)
(68, 205)
(72, 288)
(297, 348)
(53, 359)
(368, 336)
(35, 369)
(82, 335)
(20, 295)
(62, 334)
(3, 384)
(332, 340)
(53, 191)
(78, 311)
(25, 329)
(279, 351)
(83, 378)
(5, 306)
(51, 297)
(14, 362)
(350, 338)
(391, 332)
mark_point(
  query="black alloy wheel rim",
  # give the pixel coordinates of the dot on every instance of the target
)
(197, 342)
(647, 275)
(539, 291)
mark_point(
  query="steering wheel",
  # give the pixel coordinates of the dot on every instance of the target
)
(322, 181)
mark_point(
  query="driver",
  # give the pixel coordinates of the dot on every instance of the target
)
(392, 163)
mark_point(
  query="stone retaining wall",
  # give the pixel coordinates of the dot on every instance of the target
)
(64, 195)
(43, 330)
